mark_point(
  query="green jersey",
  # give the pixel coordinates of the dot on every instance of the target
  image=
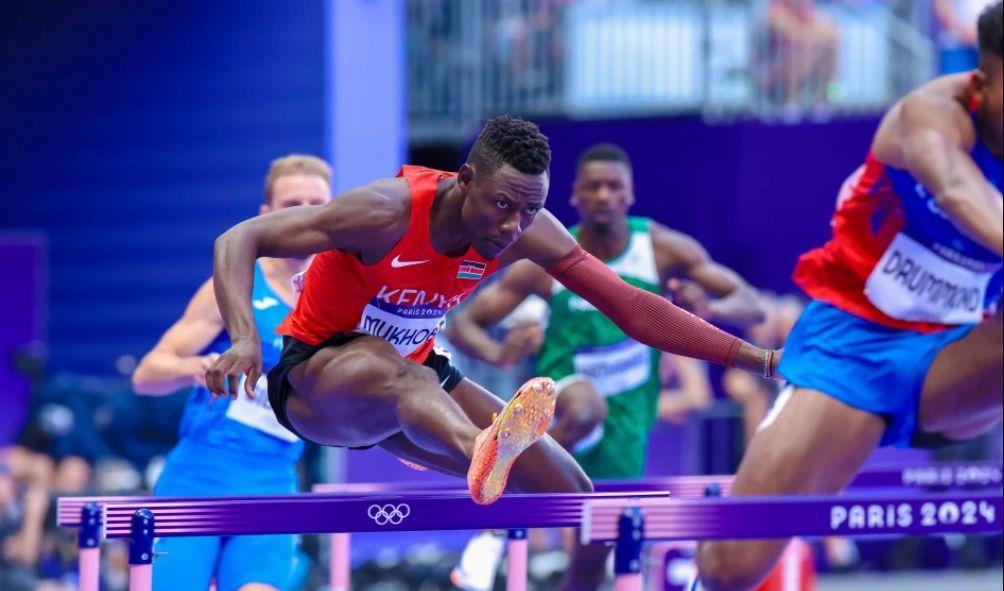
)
(580, 340)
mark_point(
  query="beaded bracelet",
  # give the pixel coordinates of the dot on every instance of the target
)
(768, 364)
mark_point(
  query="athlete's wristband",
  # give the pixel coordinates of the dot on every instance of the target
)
(768, 364)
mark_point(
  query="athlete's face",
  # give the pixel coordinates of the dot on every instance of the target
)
(603, 193)
(988, 84)
(498, 208)
(292, 190)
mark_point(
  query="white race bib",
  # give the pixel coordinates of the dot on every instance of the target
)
(613, 369)
(407, 328)
(258, 413)
(913, 283)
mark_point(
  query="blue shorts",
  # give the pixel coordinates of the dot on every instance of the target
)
(865, 365)
(192, 470)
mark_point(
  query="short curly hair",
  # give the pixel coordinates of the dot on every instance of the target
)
(512, 141)
(991, 29)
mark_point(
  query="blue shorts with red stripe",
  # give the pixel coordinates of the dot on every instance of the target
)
(865, 365)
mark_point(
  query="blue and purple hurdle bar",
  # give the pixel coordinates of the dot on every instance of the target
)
(626, 513)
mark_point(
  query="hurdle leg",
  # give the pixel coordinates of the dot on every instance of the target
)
(141, 551)
(516, 560)
(340, 565)
(89, 547)
(627, 555)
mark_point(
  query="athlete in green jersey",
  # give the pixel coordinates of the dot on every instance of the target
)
(609, 384)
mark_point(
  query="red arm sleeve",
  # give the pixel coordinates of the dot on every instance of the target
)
(644, 316)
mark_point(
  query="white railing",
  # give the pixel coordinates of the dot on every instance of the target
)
(470, 59)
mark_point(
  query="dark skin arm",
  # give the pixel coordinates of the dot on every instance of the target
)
(930, 134)
(366, 222)
(546, 242)
(679, 256)
(468, 329)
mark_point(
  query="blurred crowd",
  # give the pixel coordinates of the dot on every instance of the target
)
(84, 435)
(519, 56)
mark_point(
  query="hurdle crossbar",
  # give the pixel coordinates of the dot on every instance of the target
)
(801, 516)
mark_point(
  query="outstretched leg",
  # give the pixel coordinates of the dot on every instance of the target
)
(363, 393)
(544, 467)
(815, 444)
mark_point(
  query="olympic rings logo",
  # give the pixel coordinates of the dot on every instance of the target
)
(389, 514)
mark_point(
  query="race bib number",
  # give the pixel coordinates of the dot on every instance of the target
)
(615, 368)
(405, 327)
(258, 413)
(915, 284)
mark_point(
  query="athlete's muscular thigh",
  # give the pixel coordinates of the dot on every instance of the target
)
(963, 388)
(347, 395)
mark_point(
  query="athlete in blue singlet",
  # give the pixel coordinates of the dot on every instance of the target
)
(232, 447)
(902, 344)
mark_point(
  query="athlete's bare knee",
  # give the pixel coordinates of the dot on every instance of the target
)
(547, 467)
(579, 412)
(584, 483)
(582, 405)
(569, 480)
(721, 567)
(578, 482)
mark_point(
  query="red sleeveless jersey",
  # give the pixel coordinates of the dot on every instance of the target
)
(896, 259)
(403, 298)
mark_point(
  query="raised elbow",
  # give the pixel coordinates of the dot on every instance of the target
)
(143, 381)
(758, 313)
(140, 383)
(220, 244)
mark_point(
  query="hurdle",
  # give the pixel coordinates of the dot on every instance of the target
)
(395, 509)
(628, 523)
(967, 475)
(140, 519)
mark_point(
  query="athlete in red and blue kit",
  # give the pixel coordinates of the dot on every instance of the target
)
(902, 344)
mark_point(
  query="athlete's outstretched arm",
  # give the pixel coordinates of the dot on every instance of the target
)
(935, 152)
(174, 362)
(362, 221)
(735, 302)
(468, 326)
(648, 318)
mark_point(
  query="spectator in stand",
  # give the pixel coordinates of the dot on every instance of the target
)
(803, 49)
(956, 34)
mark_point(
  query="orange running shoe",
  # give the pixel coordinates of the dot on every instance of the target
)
(522, 422)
